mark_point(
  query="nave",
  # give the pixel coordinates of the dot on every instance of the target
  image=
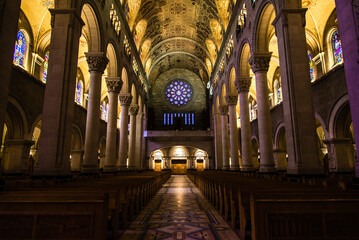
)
(179, 211)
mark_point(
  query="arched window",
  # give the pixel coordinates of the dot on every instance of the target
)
(278, 92)
(178, 92)
(46, 66)
(252, 108)
(20, 49)
(79, 92)
(104, 108)
(311, 67)
(336, 47)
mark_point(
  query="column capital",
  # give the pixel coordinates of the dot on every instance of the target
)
(133, 110)
(231, 99)
(125, 99)
(283, 13)
(114, 85)
(97, 61)
(62, 11)
(259, 61)
(223, 109)
(243, 84)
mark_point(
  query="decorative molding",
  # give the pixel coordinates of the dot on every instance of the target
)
(125, 99)
(96, 61)
(243, 84)
(133, 110)
(259, 61)
(114, 85)
(223, 109)
(231, 99)
(71, 11)
(284, 15)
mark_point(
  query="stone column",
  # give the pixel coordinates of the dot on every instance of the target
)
(341, 154)
(114, 86)
(243, 85)
(9, 18)
(144, 163)
(233, 133)
(139, 141)
(58, 109)
(260, 63)
(132, 143)
(223, 109)
(348, 21)
(97, 64)
(125, 101)
(298, 106)
(218, 140)
(16, 157)
(76, 160)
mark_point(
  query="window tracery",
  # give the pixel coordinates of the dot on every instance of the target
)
(178, 92)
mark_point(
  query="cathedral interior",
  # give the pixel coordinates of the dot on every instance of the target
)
(179, 119)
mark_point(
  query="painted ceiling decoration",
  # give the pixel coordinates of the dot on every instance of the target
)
(178, 33)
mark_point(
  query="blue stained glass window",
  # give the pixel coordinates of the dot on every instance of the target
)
(46, 67)
(20, 49)
(171, 118)
(279, 92)
(311, 68)
(185, 119)
(192, 118)
(79, 90)
(336, 47)
(178, 92)
(164, 119)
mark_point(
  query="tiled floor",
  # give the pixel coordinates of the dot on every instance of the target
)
(179, 211)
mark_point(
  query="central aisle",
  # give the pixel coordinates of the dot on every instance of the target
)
(179, 211)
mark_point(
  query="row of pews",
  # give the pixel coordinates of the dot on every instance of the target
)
(266, 208)
(88, 208)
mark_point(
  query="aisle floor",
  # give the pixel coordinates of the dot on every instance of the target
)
(179, 211)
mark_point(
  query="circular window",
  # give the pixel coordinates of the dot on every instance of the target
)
(178, 92)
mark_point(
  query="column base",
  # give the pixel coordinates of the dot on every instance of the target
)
(267, 169)
(109, 169)
(89, 169)
(234, 168)
(225, 168)
(247, 169)
(122, 169)
(131, 168)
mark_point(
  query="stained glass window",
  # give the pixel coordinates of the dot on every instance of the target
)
(278, 90)
(20, 49)
(46, 66)
(178, 92)
(253, 109)
(104, 107)
(311, 68)
(336, 47)
(79, 91)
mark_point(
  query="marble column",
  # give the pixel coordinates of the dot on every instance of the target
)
(260, 63)
(218, 140)
(9, 18)
(97, 63)
(298, 106)
(139, 140)
(132, 143)
(348, 21)
(125, 101)
(243, 86)
(233, 132)
(223, 109)
(58, 109)
(114, 86)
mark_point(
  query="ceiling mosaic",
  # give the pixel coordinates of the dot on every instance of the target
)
(179, 33)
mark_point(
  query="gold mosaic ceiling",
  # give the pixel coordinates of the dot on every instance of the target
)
(179, 33)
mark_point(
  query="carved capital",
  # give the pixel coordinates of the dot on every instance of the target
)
(243, 84)
(114, 85)
(133, 110)
(97, 61)
(231, 99)
(223, 109)
(125, 99)
(259, 61)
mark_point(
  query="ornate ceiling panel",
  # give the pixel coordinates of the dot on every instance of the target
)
(180, 33)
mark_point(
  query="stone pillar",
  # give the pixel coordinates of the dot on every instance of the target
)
(144, 163)
(76, 160)
(58, 110)
(218, 140)
(233, 132)
(132, 143)
(139, 141)
(348, 21)
(223, 109)
(243, 86)
(260, 63)
(114, 86)
(9, 18)
(125, 101)
(97, 64)
(298, 106)
(341, 154)
(16, 157)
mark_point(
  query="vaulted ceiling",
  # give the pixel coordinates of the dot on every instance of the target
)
(179, 34)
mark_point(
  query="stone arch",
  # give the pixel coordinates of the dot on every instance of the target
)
(335, 113)
(140, 104)
(89, 16)
(223, 94)
(244, 68)
(111, 54)
(232, 90)
(16, 120)
(76, 149)
(126, 84)
(35, 133)
(280, 148)
(134, 94)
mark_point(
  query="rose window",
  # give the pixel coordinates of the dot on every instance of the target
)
(178, 92)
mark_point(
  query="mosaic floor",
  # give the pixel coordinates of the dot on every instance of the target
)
(179, 211)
